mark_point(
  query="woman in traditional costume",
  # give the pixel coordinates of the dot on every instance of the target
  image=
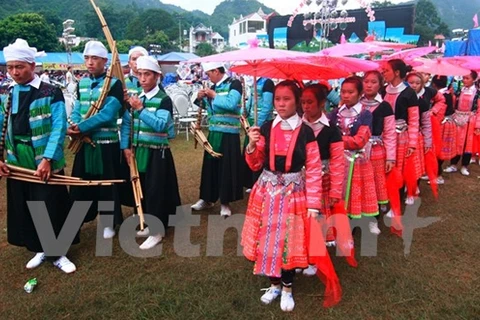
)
(330, 144)
(285, 200)
(447, 148)
(355, 123)
(383, 139)
(468, 125)
(404, 102)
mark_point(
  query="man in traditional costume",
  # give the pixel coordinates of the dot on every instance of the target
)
(100, 159)
(34, 125)
(152, 128)
(221, 177)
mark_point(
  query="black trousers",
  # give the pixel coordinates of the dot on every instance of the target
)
(286, 279)
(466, 157)
(221, 177)
(21, 230)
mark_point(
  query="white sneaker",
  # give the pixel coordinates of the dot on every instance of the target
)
(439, 180)
(108, 233)
(310, 271)
(450, 169)
(65, 265)
(271, 294)
(36, 260)
(410, 201)
(287, 303)
(389, 214)
(151, 242)
(248, 190)
(143, 233)
(424, 178)
(464, 171)
(225, 210)
(473, 160)
(202, 205)
(330, 243)
(373, 226)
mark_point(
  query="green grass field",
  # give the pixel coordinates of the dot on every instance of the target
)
(439, 279)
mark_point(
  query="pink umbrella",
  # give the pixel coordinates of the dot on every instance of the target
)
(468, 62)
(411, 54)
(441, 67)
(291, 69)
(392, 45)
(254, 57)
(350, 49)
(342, 63)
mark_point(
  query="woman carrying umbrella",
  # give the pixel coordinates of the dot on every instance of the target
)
(467, 124)
(383, 137)
(285, 200)
(404, 102)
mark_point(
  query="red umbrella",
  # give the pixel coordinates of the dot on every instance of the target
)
(291, 69)
(254, 57)
(441, 67)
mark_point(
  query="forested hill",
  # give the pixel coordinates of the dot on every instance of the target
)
(124, 11)
(458, 13)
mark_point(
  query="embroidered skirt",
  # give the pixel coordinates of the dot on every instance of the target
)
(449, 140)
(273, 234)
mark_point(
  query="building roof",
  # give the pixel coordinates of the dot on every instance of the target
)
(259, 12)
(177, 57)
(217, 35)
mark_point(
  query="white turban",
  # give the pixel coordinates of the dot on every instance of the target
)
(138, 49)
(208, 66)
(95, 48)
(19, 51)
(148, 63)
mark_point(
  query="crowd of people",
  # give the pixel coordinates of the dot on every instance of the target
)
(356, 158)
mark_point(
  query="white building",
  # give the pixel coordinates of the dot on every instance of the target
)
(202, 34)
(246, 28)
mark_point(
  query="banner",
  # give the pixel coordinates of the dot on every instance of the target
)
(62, 66)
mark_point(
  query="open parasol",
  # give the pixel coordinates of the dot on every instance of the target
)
(347, 64)
(411, 54)
(291, 69)
(254, 57)
(441, 67)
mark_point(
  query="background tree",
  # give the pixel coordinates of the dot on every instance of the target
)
(205, 49)
(31, 27)
(158, 38)
(428, 23)
(380, 4)
(117, 20)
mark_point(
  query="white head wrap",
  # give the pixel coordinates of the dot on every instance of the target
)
(148, 63)
(207, 66)
(19, 51)
(95, 48)
(138, 49)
